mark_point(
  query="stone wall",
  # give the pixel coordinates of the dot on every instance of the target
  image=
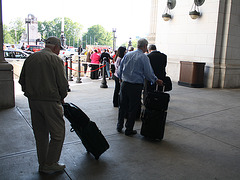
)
(213, 39)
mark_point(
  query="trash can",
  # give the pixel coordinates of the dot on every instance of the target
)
(191, 74)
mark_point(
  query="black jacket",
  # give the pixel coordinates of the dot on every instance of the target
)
(105, 54)
(158, 61)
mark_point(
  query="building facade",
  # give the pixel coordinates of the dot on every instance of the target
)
(32, 35)
(213, 38)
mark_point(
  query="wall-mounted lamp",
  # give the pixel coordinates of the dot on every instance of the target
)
(195, 12)
(166, 14)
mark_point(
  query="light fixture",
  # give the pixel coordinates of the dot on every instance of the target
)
(195, 12)
(166, 14)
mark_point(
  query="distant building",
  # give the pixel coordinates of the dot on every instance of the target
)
(213, 38)
(34, 35)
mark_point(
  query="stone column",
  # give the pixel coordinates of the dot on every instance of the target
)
(7, 97)
(153, 22)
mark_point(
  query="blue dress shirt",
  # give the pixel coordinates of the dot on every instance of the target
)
(135, 67)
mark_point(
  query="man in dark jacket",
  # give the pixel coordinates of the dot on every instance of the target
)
(158, 62)
(105, 59)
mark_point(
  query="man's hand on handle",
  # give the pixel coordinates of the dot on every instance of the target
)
(159, 82)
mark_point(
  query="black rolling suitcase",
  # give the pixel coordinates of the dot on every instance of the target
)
(154, 115)
(91, 137)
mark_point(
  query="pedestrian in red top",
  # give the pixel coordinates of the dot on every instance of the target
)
(95, 59)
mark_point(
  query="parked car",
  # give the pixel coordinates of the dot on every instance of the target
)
(34, 48)
(69, 52)
(28, 52)
(11, 54)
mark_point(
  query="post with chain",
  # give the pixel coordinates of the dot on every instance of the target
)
(70, 78)
(104, 82)
(79, 70)
(66, 67)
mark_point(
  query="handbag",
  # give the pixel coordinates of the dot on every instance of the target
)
(168, 83)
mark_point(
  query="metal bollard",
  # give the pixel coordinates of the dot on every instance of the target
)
(70, 78)
(66, 67)
(66, 71)
(79, 70)
(104, 82)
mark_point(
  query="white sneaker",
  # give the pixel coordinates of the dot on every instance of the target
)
(49, 169)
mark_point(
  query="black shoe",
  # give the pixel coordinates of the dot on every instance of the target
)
(119, 130)
(130, 133)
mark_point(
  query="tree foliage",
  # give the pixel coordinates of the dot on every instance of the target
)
(97, 35)
(13, 33)
(72, 30)
(134, 43)
(7, 38)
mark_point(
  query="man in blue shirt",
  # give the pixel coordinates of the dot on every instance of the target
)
(134, 68)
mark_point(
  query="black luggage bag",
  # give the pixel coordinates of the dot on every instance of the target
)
(91, 137)
(157, 100)
(153, 124)
(154, 115)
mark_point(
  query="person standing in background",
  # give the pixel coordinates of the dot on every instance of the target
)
(119, 55)
(158, 62)
(95, 60)
(134, 68)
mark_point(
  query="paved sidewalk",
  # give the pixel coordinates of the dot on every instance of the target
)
(202, 139)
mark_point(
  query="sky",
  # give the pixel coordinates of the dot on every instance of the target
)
(129, 17)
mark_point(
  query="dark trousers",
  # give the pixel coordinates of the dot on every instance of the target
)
(85, 68)
(116, 92)
(94, 72)
(130, 100)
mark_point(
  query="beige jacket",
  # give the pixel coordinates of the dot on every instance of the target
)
(43, 77)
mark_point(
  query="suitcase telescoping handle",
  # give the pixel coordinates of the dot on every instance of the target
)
(158, 86)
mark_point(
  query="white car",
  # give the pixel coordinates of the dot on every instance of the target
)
(11, 54)
(69, 52)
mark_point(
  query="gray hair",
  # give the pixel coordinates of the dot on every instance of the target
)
(142, 42)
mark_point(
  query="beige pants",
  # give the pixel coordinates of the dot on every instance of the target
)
(47, 119)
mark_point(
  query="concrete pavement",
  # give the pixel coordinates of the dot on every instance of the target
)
(202, 138)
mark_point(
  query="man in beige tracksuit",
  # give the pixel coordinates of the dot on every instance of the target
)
(45, 85)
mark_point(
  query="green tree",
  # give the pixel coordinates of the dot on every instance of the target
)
(13, 33)
(7, 38)
(72, 30)
(97, 35)
(17, 28)
(134, 43)
(46, 29)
